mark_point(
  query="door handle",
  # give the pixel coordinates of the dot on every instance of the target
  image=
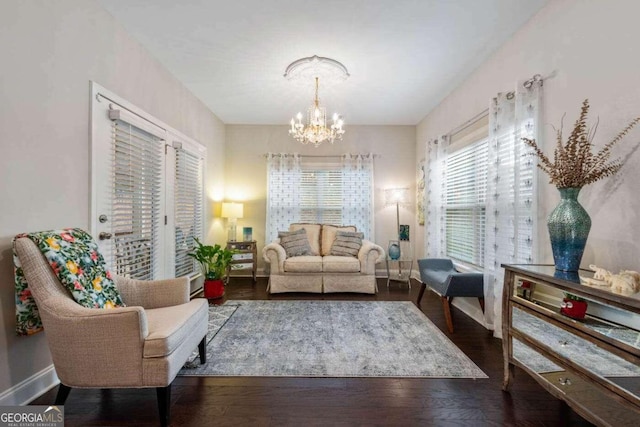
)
(104, 236)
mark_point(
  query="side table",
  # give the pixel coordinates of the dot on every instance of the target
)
(405, 266)
(245, 258)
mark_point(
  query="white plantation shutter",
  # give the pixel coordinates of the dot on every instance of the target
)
(464, 203)
(136, 180)
(321, 194)
(188, 208)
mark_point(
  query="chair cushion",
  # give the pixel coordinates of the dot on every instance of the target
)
(340, 264)
(170, 326)
(329, 235)
(303, 264)
(347, 243)
(313, 235)
(295, 243)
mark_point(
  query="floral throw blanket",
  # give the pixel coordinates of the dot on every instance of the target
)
(74, 258)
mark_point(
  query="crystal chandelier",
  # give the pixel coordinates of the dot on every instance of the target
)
(316, 131)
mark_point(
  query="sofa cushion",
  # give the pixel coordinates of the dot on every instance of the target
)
(340, 264)
(347, 243)
(295, 243)
(329, 235)
(303, 264)
(313, 235)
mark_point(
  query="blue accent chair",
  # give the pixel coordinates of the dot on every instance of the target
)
(441, 276)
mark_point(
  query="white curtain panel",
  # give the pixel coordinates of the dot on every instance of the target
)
(357, 192)
(511, 191)
(283, 193)
(436, 184)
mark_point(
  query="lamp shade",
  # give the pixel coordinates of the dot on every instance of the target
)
(232, 210)
(398, 196)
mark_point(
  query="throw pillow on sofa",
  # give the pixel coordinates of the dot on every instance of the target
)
(295, 243)
(347, 243)
(329, 235)
(313, 234)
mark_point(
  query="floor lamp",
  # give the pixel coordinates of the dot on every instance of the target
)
(396, 196)
(232, 211)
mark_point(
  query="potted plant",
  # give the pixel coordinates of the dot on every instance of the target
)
(214, 262)
(573, 306)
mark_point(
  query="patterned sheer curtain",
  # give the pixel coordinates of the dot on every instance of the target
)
(357, 192)
(283, 193)
(436, 183)
(511, 190)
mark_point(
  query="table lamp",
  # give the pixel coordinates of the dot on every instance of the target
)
(232, 211)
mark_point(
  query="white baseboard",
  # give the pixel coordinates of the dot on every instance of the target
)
(30, 388)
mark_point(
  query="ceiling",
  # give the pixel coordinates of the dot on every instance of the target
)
(404, 56)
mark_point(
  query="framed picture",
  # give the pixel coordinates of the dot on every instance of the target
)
(247, 234)
(403, 233)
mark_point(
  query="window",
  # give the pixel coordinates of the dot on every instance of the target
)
(319, 191)
(188, 208)
(464, 203)
(147, 201)
(321, 194)
(136, 199)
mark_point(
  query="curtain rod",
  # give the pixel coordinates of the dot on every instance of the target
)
(99, 95)
(469, 122)
(330, 156)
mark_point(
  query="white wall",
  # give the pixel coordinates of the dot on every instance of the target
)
(246, 169)
(586, 49)
(51, 50)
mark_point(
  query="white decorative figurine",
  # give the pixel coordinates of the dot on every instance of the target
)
(627, 282)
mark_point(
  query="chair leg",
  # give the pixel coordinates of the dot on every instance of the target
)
(164, 404)
(202, 350)
(63, 393)
(481, 301)
(422, 289)
(446, 305)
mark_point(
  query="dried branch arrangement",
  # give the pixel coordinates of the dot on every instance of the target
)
(574, 165)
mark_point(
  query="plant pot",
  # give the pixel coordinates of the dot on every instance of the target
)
(213, 288)
(574, 309)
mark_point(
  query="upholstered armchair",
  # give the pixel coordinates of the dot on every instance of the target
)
(138, 346)
(441, 276)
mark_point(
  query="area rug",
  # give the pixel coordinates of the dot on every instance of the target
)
(331, 339)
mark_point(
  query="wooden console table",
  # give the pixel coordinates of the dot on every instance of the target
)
(592, 364)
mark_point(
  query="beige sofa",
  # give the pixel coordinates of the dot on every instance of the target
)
(322, 272)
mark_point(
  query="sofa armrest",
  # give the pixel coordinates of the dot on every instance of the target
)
(274, 254)
(153, 293)
(369, 255)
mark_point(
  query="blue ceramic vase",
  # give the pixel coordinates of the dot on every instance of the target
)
(569, 226)
(394, 251)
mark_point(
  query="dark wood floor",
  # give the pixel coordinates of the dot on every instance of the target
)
(253, 401)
